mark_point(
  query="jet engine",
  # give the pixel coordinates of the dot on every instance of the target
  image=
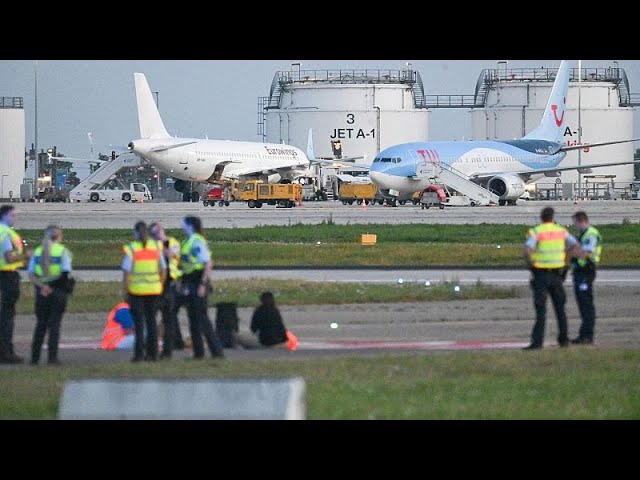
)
(507, 186)
(179, 185)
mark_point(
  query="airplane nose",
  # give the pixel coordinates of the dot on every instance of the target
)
(376, 177)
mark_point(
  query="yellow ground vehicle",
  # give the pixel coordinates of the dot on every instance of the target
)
(256, 193)
(357, 192)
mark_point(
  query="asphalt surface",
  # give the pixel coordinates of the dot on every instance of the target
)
(124, 215)
(351, 329)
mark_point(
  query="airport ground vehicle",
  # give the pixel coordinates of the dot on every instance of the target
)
(53, 194)
(433, 196)
(103, 185)
(310, 188)
(215, 196)
(357, 192)
(137, 192)
(256, 193)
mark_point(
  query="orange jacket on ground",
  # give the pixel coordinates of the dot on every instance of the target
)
(114, 332)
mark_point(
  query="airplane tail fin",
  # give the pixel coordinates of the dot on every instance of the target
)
(553, 122)
(310, 154)
(151, 125)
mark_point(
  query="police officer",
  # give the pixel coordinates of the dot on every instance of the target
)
(196, 265)
(144, 271)
(172, 338)
(49, 269)
(13, 256)
(584, 273)
(545, 252)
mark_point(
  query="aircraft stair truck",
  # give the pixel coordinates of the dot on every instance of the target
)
(93, 188)
(357, 192)
(455, 180)
(256, 193)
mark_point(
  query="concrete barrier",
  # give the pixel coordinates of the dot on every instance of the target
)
(184, 399)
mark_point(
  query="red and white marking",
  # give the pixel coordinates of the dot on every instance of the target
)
(366, 344)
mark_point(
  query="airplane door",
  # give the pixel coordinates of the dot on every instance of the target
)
(184, 158)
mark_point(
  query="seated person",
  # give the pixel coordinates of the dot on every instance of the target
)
(267, 323)
(119, 333)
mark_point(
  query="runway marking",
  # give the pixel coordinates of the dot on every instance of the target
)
(366, 344)
(401, 345)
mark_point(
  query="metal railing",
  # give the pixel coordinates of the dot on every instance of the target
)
(593, 190)
(262, 103)
(11, 102)
(286, 78)
(616, 75)
(449, 101)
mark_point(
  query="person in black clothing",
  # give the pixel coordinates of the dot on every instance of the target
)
(171, 335)
(196, 265)
(267, 323)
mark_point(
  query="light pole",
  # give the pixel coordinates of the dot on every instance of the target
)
(157, 94)
(377, 128)
(579, 126)
(2, 186)
(37, 166)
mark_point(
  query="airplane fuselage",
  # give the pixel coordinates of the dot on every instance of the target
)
(407, 167)
(199, 160)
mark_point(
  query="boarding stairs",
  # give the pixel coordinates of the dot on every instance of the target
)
(440, 173)
(108, 170)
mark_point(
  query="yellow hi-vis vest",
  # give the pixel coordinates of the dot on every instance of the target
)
(551, 243)
(595, 255)
(17, 245)
(144, 278)
(55, 262)
(188, 261)
(174, 270)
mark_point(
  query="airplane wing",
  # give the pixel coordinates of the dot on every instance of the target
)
(252, 172)
(334, 163)
(584, 168)
(330, 161)
(592, 145)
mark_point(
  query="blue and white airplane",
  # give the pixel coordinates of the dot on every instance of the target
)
(501, 167)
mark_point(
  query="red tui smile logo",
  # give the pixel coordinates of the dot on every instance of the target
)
(555, 113)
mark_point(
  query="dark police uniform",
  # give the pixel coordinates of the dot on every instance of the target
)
(584, 273)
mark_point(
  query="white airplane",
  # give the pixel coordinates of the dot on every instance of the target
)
(501, 166)
(204, 160)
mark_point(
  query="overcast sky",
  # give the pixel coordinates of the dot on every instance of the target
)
(217, 98)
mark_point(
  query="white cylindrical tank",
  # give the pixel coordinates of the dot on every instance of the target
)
(11, 146)
(514, 107)
(367, 110)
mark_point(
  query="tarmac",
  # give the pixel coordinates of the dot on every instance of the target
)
(355, 329)
(381, 329)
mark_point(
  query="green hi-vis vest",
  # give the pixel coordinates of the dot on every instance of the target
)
(595, 255)
(174, 270)
(17, 245)
(55, 262)
(144, 278)
(188, 261)
(550, 249)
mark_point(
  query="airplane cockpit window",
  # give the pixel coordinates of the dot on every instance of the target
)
(386, 160)
(376, 160)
